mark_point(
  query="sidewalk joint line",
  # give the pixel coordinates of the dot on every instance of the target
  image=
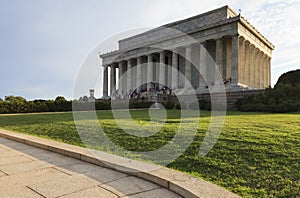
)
(36, 191)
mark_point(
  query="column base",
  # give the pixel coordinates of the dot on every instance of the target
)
(105, 97)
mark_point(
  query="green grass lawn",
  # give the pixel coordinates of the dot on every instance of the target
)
(257, 154)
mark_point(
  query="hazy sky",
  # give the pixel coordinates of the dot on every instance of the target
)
(43, 43)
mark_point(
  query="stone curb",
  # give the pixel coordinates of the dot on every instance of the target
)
(178, 182)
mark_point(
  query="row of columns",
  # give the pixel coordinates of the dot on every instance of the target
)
(244, 65)
(126, 83)
(254, 71)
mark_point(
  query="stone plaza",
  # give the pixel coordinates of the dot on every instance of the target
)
(216, 48)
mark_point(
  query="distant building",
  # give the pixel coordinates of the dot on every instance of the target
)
(92, 96)
(242, 55)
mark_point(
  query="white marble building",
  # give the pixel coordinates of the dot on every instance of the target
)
(238, 51)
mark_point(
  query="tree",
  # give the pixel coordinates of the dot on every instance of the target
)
(15, 99)
(291, 77)
(62, 104)
(60, 99)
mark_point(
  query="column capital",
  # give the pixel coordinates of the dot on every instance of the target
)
(129, 61)
(247, 43)
(235, 36)
(162, 52)
(113, 65)
(162, 57)
(203, 44)
(175, 50)
(189, 46)
(121, 62)
(222, 38)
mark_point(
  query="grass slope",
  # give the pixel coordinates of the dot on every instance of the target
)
(257, 154)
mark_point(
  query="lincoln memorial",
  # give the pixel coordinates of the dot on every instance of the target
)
(192, 50)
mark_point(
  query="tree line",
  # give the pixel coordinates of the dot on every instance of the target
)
(284, 97)
(18, 104)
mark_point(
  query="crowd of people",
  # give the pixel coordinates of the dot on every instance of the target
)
(144, 92)
(154, 89)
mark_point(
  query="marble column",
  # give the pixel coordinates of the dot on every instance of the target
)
(269, 72)
(129, 75)
(247, 64)
(219, 61)
(265, 71)
(169, 71)
(112, 79)
(235, 60)
(203, 66)
(144, 73)
(121, 78)
(253, 66)
(174, 81)
(242, 62)
(162, 69)
(256, 68)
(188, 64)
(228, 58)
(149, 71)
(105, 81)
(139, 73)
(261, 70)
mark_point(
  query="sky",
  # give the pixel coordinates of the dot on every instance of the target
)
(44, 43)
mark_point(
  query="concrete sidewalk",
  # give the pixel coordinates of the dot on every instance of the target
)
(27, 171)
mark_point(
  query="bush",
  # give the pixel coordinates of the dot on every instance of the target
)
(139, 104)
(291, 77)
(169, 105)
(18, 104)
(283, 98)
(102, 105)
(181, 106)
(194, 106)
(205, 104)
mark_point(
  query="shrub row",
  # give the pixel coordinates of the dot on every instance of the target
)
(17, 104)
(20, 105)
(201, 104)
(283, 98)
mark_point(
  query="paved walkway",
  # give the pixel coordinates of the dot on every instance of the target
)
(27, 171)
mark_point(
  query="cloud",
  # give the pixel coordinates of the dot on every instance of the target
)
(160, 12)
(44, 43)
(277, 20)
